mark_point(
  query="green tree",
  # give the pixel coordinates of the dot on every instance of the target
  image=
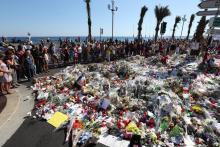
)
(143, 12)
(89, 19)
(177, 20)
(160, 12)
(190, 25)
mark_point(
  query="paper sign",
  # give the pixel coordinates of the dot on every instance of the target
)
(57, 119)
(104, 103)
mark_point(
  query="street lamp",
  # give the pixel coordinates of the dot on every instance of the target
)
(101, 33)
(183, 19)
(113, 8)
(29, 36)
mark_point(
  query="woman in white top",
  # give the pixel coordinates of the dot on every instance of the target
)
(46, 59)
(79, 53)
(177, 50)
(6, 77)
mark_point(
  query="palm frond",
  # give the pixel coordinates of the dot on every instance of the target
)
(160, 12)
(200, 29)
(143, 12)
(177, 20)
(190, 25)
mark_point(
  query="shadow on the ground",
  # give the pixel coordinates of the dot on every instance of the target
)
(38, 133)
(35, 133)
(3, 102)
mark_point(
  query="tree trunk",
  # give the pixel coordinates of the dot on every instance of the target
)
(90, 30)
(200, 29)
(89, 21)
(189, 29)
(174, 30)
(187, 37)
(139, 34)
(157, 30)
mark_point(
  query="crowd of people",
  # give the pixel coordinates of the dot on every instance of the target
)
(25, 60)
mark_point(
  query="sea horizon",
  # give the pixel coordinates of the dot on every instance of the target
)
(37, 39)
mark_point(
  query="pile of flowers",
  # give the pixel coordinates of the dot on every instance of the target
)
(134, 100)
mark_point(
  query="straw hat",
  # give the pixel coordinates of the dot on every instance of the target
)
(10, 47)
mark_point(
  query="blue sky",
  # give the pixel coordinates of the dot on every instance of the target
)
(69, 17)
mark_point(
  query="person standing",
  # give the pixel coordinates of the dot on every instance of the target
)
(76, 55)
(194, 46)
(29, 65)
(46, 60)
(3, 39)
(66, 55)
(41, 58)
(126, 49)
(161, 48)
(79, 53)
(6, 77)
(92, 54)
(71, 53)
(36, 56)
(177, 50)
(84, 52)
(12, 66)
(108, 53)
(20, 71)
(172, 48)
(52, 53)
(88, 52)
(131, 48)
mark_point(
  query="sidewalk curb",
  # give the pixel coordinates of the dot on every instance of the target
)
(16, 108)
(15, 116)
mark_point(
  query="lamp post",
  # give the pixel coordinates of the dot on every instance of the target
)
(101, 33)
(113, 8)
(183, 19)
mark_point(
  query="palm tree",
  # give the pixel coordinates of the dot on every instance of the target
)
(143, 12)
(177, 20)
(89, 19)
(198, 36)
(190, 25)
(160, 13)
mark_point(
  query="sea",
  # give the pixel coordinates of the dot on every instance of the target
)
(37, 40)
(74, 38)
(71, 38)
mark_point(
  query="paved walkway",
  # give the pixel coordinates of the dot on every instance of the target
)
(3, 102)
(18, 105)
(18, 130)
